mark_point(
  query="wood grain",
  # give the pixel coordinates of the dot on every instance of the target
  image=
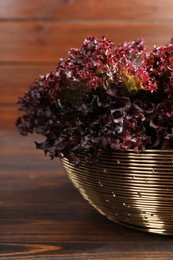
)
(79, 9)
(42, 216)
(16, 79)
(47, 41)
(8, 116)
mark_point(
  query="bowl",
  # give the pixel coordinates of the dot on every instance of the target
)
(133, 189)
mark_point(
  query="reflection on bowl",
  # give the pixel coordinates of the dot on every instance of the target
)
(134, 189)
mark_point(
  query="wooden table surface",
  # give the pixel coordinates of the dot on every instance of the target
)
(42, 216)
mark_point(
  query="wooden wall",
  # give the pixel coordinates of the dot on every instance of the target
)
(35, 34)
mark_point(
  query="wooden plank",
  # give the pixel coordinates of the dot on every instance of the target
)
(79, 9)
(47, 41)
(8, 116)
(15, 80)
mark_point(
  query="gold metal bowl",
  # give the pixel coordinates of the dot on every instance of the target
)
(134, 189)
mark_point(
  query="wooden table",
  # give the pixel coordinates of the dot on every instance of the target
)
(42, 216)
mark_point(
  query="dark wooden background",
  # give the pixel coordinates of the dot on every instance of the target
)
(42, 216)
(35, 34)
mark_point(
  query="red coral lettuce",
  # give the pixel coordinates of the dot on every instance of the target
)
(103, 97)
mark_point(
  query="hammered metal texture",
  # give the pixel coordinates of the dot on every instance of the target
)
(134, 189)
